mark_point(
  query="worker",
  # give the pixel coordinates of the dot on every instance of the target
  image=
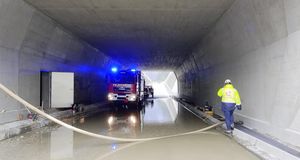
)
(230, 100)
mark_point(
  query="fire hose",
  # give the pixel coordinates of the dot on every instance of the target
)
(75, 129)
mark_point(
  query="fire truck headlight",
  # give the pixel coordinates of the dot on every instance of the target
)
(110, 120)
(132, 97)
(110, 96)
(132, 119)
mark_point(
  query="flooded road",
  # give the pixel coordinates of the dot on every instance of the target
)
(159, 117)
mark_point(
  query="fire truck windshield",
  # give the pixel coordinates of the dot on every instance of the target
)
(122, 78)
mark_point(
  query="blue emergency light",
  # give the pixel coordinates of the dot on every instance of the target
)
(114, 69)
(133, 70)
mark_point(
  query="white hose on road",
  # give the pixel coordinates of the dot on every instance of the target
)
(35, 109)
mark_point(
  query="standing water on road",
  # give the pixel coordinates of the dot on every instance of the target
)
(159, 117)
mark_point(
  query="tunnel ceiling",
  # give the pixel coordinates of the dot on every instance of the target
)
(150, 33)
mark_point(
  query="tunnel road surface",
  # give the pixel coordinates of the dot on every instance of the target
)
(159, 117)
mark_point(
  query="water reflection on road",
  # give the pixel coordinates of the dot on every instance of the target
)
(159, 117)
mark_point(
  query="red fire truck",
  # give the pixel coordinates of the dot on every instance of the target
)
(125, 87)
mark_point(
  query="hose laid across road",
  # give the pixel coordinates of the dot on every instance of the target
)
(35, 109)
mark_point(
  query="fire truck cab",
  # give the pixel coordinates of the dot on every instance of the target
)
(125, 87)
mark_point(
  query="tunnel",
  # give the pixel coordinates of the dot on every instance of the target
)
(185, 48)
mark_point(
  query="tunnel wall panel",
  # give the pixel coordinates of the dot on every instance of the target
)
(31, 42)
(256, 45)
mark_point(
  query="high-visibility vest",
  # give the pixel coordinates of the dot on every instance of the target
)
(229, 94)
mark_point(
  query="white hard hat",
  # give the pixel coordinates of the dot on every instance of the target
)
(227, 81)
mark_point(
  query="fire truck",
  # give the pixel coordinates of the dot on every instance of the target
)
(125, 87)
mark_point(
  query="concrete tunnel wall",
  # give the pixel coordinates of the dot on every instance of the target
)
(31, 42)
(255, 44)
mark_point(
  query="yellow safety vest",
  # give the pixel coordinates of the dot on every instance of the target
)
(229, 94)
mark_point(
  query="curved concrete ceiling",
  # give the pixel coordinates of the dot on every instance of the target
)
(156, 34)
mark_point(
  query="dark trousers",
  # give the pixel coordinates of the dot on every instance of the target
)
(228, 109)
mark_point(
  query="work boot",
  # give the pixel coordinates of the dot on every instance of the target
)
(228, 131)
(232, 126)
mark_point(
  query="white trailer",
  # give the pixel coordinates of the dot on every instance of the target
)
(57, 89)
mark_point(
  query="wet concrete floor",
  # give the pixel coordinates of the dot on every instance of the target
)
(159, 117)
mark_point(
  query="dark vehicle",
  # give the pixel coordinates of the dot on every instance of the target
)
(125, 87)
(149, 92)
(146, 92)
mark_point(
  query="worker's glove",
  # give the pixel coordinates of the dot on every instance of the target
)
(239, 107)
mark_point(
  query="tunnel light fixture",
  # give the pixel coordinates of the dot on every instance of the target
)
(114, 69)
